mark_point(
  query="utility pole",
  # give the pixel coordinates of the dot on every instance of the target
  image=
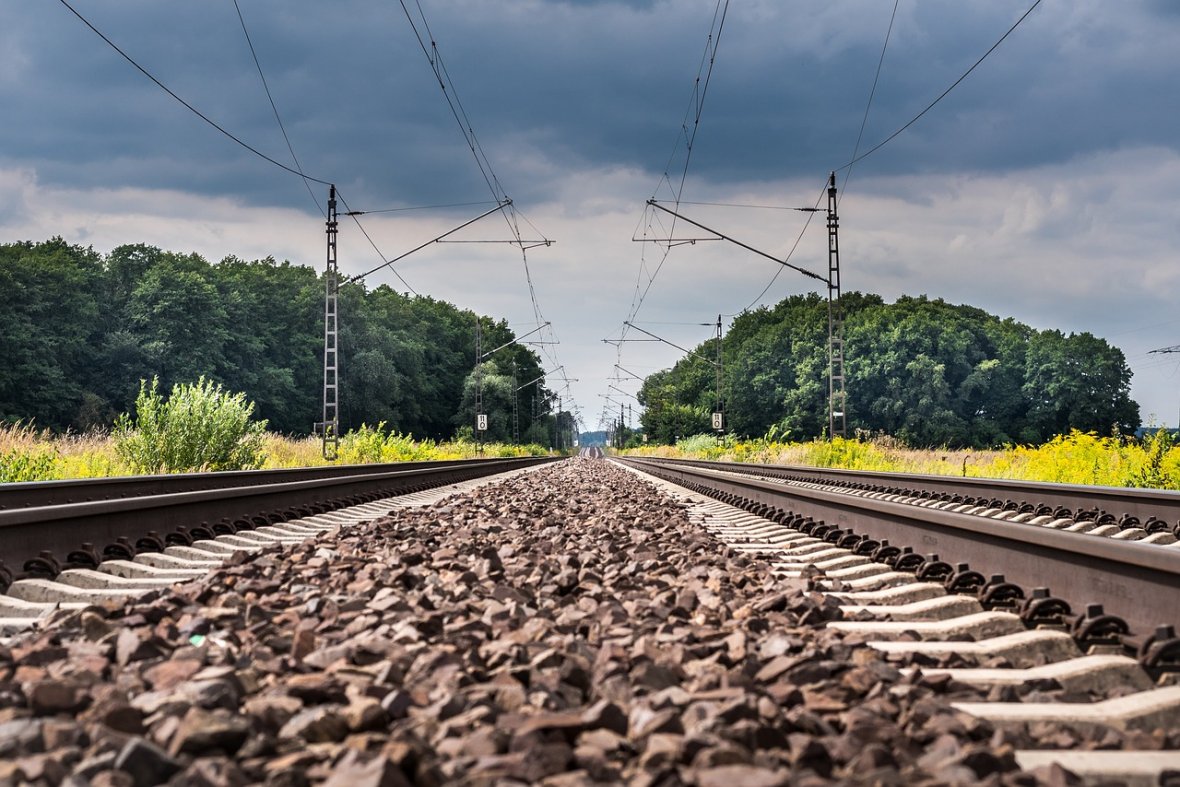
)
(837, 396)
(331, 423)
(557, 425)
(481, 420)
(515, 407)
(719, 410)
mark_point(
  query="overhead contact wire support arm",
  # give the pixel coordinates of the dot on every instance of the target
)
(490, 353)
(709, 361)
(420, 247)
(747, 247)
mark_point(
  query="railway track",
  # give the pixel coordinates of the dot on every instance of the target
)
(47, 528)
(1149, 515)
(573, 625)
(963, 540)
(953, 623)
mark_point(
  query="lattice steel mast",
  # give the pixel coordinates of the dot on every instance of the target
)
(837, 396)
(330, 426)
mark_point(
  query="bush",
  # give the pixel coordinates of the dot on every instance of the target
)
(200, 427)
(26, 455)
(20, 466)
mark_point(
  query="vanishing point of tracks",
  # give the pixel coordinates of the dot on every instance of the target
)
(574, 625)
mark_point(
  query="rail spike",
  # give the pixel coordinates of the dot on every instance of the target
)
(1160, 653)
(1096, 631)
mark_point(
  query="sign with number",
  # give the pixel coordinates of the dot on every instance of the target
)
(481, 422)
(718, 421)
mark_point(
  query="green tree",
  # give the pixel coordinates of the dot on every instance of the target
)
(49, 328)
(1077, 382)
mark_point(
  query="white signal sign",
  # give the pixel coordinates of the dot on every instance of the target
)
(718, 421)
(481, 422)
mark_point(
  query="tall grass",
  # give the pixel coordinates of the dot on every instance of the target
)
(29, 454)
(1075, 458)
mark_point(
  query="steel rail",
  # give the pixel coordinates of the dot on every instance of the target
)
(1141, 503)
(1137, 582)
(32, 494)
(27, 532)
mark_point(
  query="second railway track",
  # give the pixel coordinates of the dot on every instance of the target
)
(48, 527)
(915, 530)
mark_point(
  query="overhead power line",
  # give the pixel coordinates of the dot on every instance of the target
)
(304, 176)
(869, 105)
(421, 207)
(186, 104)
(688, 134)
(275, 109)
(944, 93)
(511, 215)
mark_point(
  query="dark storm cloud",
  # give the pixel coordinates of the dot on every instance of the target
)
(573, 84)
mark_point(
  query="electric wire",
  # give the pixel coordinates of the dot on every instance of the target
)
(302, 175)
(856, 157)
(864, 121)
(275, 109)
(349, 212)
(944, 93)
(422, 207)
(694, 111)
(512, 215)
(186, 104)
(739, 205)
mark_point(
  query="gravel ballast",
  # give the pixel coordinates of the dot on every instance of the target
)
(568, 626)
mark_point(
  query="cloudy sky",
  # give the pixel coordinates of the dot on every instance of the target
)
(1045, 187)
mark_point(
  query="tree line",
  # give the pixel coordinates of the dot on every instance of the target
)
(80, 330)
(926, 371)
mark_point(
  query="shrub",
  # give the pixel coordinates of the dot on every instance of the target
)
(18, 465)
(26, 454)
(200, 427)
(1154, 471)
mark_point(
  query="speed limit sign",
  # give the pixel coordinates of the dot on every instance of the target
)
(718, 421)
(481, 422)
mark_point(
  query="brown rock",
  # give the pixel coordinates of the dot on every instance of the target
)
(113, 779)
(145, 763)
(644, 722)
(302, 643)
(207, 772)
(397, 703)
(316, 725)
(605, 715)
(201, 730)
(55, 696)
(63, 732)
(356, 770)
(272, 712)
(315, 688)
(567, 724)
(21, 736)
(171, 672)
(134, 645)
(118, 715)
(776, 667)
(365, 714)
(745, 775)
